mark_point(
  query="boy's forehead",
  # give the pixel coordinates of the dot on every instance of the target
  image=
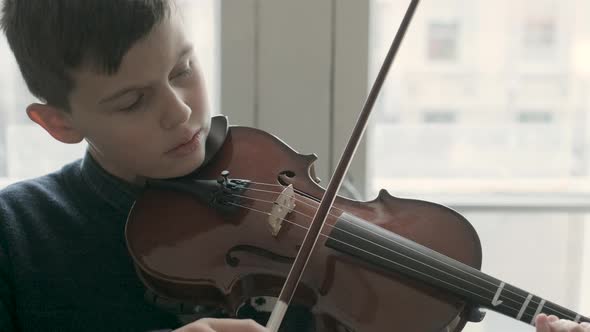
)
(145, 61)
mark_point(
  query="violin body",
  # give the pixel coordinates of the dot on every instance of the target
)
(186, 251)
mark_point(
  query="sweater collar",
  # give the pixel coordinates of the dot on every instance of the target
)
(117, 193)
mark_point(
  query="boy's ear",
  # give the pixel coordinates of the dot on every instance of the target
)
(55, 121)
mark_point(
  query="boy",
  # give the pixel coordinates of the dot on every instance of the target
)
(135, 93)
(121, 75)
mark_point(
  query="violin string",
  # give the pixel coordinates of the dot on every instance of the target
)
(374, 233)
(266, 184)
(298, 200)
(373, 243)
(382, 236)
(412, 249)
(313, 199)
(399, 264)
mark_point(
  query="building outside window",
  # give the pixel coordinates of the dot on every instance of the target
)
(539, 39)
(442, 41)
(439, 116)
(534, 117)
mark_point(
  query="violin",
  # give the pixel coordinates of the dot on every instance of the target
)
(229, 233)
(252, 229)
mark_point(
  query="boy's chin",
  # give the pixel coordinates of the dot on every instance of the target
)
(180, 168)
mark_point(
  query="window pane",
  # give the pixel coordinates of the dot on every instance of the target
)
(490, 112)
(26, 150)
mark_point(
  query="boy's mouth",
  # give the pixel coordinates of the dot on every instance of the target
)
(187, 146)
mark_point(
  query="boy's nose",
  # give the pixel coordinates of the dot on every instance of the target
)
(175, 111)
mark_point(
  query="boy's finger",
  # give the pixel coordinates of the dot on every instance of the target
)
(542, 323)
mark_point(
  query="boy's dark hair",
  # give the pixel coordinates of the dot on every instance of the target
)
(49, 38)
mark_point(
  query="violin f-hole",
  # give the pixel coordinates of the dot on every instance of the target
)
(234, 261)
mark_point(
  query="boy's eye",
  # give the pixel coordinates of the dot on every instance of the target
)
(134, 105)
(185, 71)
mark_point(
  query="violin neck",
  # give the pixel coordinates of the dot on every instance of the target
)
(362, 239)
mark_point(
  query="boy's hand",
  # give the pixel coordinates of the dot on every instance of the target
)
(551, 323)
(222, 325)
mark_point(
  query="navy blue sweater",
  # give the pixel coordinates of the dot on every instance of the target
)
(64, 265)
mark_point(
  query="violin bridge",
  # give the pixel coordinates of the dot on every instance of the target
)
(281, 207)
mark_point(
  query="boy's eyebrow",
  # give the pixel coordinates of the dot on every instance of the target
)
(183, 52)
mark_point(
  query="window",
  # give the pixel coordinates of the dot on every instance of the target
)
(514, 160)
(442, 41)
(26, 150)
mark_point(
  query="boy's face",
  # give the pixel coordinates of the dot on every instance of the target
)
(151, 118)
